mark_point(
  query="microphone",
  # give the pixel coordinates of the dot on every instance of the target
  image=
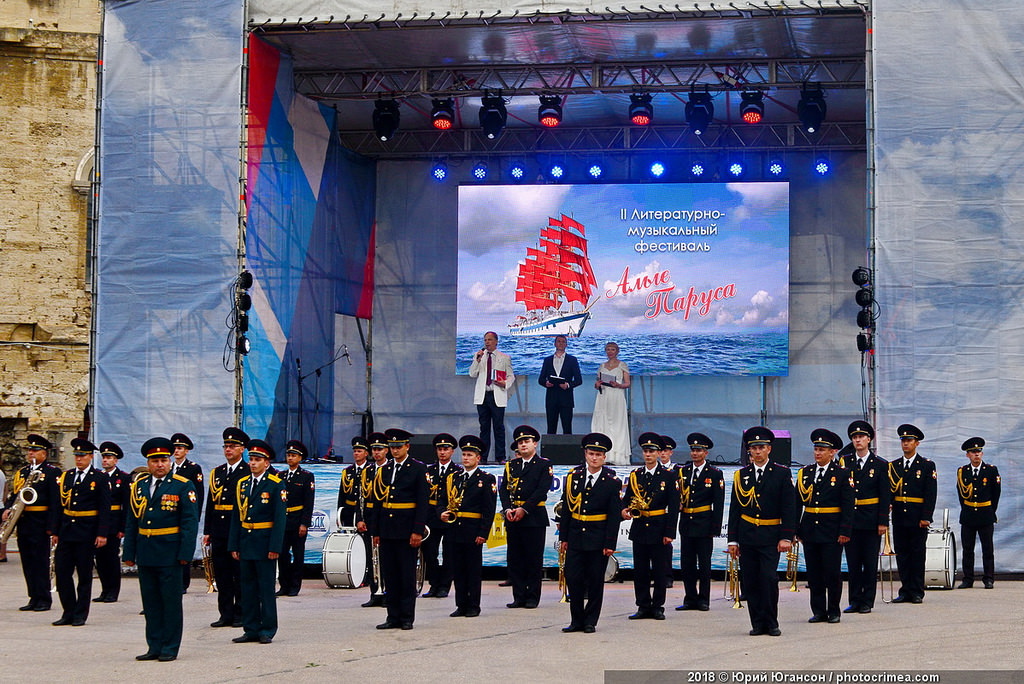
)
(347, 357)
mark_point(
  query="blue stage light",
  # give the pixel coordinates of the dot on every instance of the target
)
(595, 171)
(657, 169)
(480, 171)
(822, 167)
(735, 169)
(439, 171)
(776, 167)
(556, 171)
(517, 171)
(697, 169)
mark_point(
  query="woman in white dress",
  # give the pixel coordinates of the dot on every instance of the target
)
(610, 416)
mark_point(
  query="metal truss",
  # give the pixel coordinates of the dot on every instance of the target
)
(620, 139)
(568, 79)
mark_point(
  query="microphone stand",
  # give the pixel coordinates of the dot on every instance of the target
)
(341, 354)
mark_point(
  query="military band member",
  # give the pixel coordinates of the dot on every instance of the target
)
(300, 485)
(348, 491)
(160, 538)
(978, 486)
(466, 501)
(378, 442)
(220, 510)
(665, 459)
(762, 518)
(438, 574)
(870, 516)
(190, 470)
(824, 508)
(396, 522)
(588, 528)
(256, 537)
(524, 492)
(108, 556)
(651, 501)
(702, 503)
(35, 524)
(913, 486)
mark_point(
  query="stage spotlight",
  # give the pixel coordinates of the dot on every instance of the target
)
(752, 106)
(550, 111)
(865, 318)
(439, 171)
(735, 169)
(697, 169)
(776, 168)
(865, 297)
(385, 119)
(811, 108)
(861, 276)
(242, 323)
(556, 171)
(242, 345)
(243, 302)
(595, 170)
(821, 166)
(245, 280)
(657, 169)
(443, 114)
(865, 343)
(493, 115)
(480, 171)
(641, 111)
(517, 170)
(699, 112)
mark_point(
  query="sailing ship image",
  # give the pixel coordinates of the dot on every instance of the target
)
(555, 275)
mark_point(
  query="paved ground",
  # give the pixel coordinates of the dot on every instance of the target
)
(325, 636)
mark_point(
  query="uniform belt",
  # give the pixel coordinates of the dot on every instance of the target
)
(865, 502)
(910, 499)
(468, 514)
(590, 518)
(158, 531)
(369, 504)
(223, 507)
(388, 504)
(830, 509)
(651, 514)
(34, 509)
(116, 507)
(977, 504)
(81, 514)
(698, 509)
(520, 503)
(293, 509)
(760, 523)
(350, 502)
(257, 526)
(432, 502)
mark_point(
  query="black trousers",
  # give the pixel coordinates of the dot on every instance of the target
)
(910, 546)
(368, 579)
(556, 413)
(649, 561)
(437, 571)
(467, 560)
(862, 564)
(988, 559)
(398, 570)
(824, 575)
(259, 605)
(525, 561)
(492, 415)
(584, 580)
(186, 577)
(108, 567)
(70, 558)
(228, 575)
(695, 562)
(34, 548)
(759, 580)
(160, 586)
(291, 562)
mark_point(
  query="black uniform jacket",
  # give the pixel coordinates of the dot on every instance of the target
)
(589, 521)
(477, 497)
(824, 509)
(871, 491)
(979, 496)
(400, 507)
(913, 491)
(657, 497)
(701, 503)
(527, 485)
(762, 514)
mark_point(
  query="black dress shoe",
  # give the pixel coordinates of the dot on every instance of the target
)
(515, 604)
(293, 593)
(41, 609)
(458, 612)
(917, 599)
(817, 618)
(369, 604)
(406, 625)
(833, 619)
(686, 606)
(266, 639)
(441, 594)
(774, 631)
(388, 625)
(901, 599)
(703, 606)
(221, 623)
(77, 622)
(864, 610)
(572, 628)
(100, 599)
(506, 583)
(430, 593)
(167, 658)
(851, 609)
(757, 631)
(530, 605)
(473, 612)
(989, 584)
(658, 614)
(280, 592)
(27, 606)
(589, 629)
(639, 615)
(236, 623)
(148, 656)
(246, 638)
(61, 622)
(965, 585)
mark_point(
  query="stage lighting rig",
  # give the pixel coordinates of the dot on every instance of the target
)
(442, 114)
(493, 115)
(517, 170)
(865, 298)
(240, 319)
(385, 119)
(752, 106)
(811, 108)
(550, 111)
(700, 110)
(641, 111)
(439, 171)
(480, 171)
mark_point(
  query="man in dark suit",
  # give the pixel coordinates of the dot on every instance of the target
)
(80, 526)
(588, 529)
(651, 501)
(35, 524)
(220, 510)
(438, 574)
(466, 499)
(192, 471)
(396, 522)
(702, 503)
(299, 485)
(824, 509)
(108, 556)
(560, 374)
(912, 483)
(978, 486)
(762, 517)
(160, 537)
(256, 537)
(870, 516)
(378, 443)
(524, 492)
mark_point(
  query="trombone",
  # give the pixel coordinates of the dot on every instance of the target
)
(888, 554)
(792, 561)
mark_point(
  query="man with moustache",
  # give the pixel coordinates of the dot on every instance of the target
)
(762, 517)
(108, 556)
(978, 487)
(439, 575)
(378, 442)
(912, 483)
(560, 374)
(588, 528)
(702, 504)
(220, 510)
(190, 470)
(300, 486)
(870, 516)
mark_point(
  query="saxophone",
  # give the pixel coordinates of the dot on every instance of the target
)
(27, 496)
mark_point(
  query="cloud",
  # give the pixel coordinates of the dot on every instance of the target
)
(517, 217)
(759, 199)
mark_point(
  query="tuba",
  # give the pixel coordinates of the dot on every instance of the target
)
(792, 561)
(27, 496)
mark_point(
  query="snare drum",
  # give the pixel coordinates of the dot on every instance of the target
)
(940, 559)
(611, 571)
(344, 560)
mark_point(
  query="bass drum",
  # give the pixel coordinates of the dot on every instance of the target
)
(344, 561)
(611, 570)
(940, 559)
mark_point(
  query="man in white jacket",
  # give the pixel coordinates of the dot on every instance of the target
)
(493, 372)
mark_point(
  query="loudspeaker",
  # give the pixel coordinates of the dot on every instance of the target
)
(561, 449)
(421, 447)
(782, 450)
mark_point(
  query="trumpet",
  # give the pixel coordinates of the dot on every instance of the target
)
(732, 572)
(888, 554)
(792, 561)
(211, 581)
